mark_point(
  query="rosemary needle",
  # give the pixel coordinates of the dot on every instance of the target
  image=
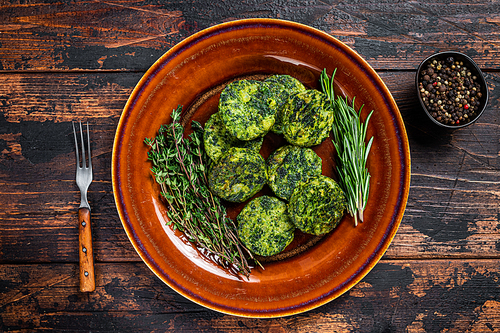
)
(349, 135)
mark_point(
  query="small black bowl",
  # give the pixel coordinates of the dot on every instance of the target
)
(471, 66)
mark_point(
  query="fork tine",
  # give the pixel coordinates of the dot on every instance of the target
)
(76, 147)
(88, 147)
(84, 162)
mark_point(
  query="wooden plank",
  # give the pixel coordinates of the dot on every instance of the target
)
(412, 31)
(86, 35)
(396, 296)
(455, 189)
(37, 165)
(130, 35)
(452, 209)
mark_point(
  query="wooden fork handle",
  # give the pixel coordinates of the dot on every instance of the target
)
(87, 279)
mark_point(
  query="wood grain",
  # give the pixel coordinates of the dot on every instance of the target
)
(130, 35)
(397, 295)
(86, 254)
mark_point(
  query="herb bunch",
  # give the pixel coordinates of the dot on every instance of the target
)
(179, 167)
(349, 135)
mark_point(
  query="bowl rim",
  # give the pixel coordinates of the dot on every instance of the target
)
(481, 76)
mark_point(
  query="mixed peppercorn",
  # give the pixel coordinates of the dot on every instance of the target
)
(450, 91)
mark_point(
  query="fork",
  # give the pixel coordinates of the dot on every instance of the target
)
(83, 180)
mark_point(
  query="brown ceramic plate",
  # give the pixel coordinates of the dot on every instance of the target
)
(312, 271)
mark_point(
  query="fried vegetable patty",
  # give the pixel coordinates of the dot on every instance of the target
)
(247, 109)
(238, 175)
(282, 87)
(264, 226)
(218, 140)
(307, 118)
(289, 165)
(317, 205)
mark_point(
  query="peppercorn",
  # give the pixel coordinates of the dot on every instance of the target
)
(450, 90)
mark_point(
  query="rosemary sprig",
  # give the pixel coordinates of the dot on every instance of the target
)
(179, 167)
(349, 140)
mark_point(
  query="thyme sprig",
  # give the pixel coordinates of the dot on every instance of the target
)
(349, 135)
(179, 167)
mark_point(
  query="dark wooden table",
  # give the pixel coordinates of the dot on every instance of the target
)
(80, 60)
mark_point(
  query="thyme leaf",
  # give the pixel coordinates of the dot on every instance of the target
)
(179, 166)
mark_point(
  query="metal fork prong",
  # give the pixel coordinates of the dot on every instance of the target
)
(84, 162)
(88, 147)
(76, 147)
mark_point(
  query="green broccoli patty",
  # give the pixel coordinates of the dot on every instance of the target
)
(307, 118)
(289, 165)
(317, 205)
(238, 175)
(264, 226)
(247, 109)
(282, 87)
(218, 140)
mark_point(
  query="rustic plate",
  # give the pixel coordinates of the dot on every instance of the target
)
(312, 271)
